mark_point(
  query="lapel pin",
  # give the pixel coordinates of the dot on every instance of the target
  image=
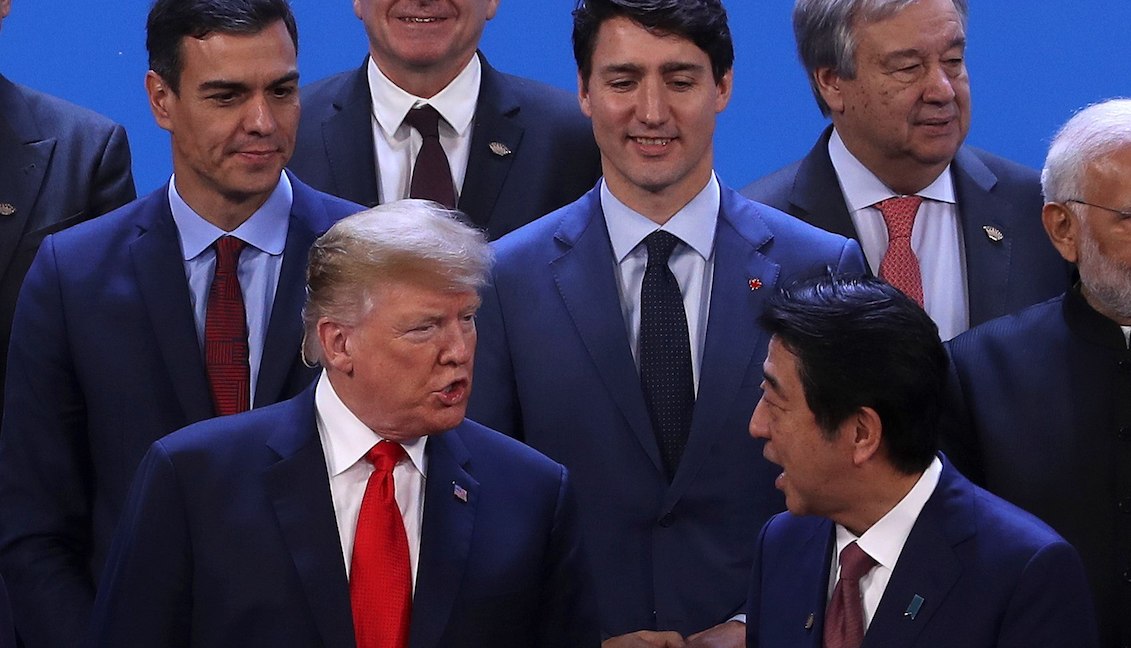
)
(7, 209)
(809, 620)
(913, 607)
(755, 283)
(500, 149)
(993, 233)
(460, 492)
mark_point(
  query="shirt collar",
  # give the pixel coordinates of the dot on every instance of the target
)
(863, 189)
(456, 102)
(265, 229)
(885, 539)
(345, 438)
(694, 224)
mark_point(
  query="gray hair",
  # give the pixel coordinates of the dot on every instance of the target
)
(824, 30)
(1093, 133)
(407, 240)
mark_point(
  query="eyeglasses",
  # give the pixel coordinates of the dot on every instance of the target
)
(1121, 214)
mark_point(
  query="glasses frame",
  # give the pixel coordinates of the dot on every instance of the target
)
(1125, 215)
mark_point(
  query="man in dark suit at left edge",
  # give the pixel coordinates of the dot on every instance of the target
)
(177, 307)
(60, 164)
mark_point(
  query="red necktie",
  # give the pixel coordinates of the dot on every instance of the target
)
(380, 573)
(431, 174)
(900, 266)
(844, 617)
(225, 333)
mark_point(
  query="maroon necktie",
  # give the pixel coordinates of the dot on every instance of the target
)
(431, 174)
(844, 617)
(380, 573)
(900, 266)
(225, 333)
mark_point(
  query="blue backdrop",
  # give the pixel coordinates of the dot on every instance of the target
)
(1031, 63)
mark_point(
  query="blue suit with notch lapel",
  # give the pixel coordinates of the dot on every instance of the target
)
(552, 161)
(105, 360)
(230, 538)
(60, 164)
(989, 575)
(1002, 276)
(554, 368)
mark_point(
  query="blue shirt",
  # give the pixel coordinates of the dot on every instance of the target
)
(265, 233)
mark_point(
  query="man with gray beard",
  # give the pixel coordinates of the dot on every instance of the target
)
(1042, 398)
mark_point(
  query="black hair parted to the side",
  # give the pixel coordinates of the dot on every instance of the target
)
(703, 22)
(170, 21)
(859, 342)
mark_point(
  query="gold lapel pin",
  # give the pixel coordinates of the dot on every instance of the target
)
(7, 209)
(993, 233)
(500, 149)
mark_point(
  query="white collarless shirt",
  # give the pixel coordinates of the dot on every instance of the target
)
(396, 143)
(936, 237)
(345, 442)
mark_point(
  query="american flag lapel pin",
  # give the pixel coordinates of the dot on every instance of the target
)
(460, 492)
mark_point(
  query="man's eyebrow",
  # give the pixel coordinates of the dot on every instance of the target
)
(681, 66)
(771, 380)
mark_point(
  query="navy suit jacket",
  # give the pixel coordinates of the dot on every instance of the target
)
(555, 369)
(989, 576)
(1039, 414)
(59, 165)
(553, 157)
(229, 538)
(1002, 276)
(105, 360)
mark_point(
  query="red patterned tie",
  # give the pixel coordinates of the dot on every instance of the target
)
(380, 574)
(900, 266)
(225, 333)
(844, 617)
(431, 174)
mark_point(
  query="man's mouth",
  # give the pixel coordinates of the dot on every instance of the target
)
(653, 141)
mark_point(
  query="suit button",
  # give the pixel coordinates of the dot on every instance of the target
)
(667, 520)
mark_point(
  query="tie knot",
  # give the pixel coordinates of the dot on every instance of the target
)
(660, 245)
(385, 455)
(425, 120)
(855, 562)
(899, 214)
(228, 250)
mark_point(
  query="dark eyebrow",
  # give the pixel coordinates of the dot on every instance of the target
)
(237, 86)
(621, 68)
(771, 380)
(668, 68)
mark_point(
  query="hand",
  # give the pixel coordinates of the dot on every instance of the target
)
(645, 639)
(731, 634)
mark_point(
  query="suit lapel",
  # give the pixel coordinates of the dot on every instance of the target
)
(300, 493)
(817, 193)
(585, 278)
(987, 261)
(732, 337)
(348, 138)
(496, 122)
(281, 345)
(445, 537)
(24, 158)
(160, 274)
(928, 567)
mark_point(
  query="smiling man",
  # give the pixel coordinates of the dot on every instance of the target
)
(427, 117)
(617, 335)
(368, 495)
(180, 306)
(955, 227)
(885, 543)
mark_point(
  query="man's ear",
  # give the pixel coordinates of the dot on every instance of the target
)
(336, 349)
(160, 97)
(1063, 228)
(866, 433)
(828, 84)
(583, 95)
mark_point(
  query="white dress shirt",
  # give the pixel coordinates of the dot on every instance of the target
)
(936, 237)
(692, 261)
(345, 442)
(265, 233)
(884, 541)
(396, 143)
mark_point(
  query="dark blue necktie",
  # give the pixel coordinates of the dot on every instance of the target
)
(431, 174)
(665, 352)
